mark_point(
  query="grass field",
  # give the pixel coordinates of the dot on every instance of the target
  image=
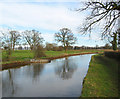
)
(102, 78)
(21, 55)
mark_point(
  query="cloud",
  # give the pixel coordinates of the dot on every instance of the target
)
(8, 1)
(40, 16)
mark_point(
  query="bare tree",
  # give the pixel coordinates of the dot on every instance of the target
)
(10, 39)
(66, 37)
(33, 38)
(102, 11)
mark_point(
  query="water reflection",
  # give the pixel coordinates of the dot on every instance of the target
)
(11, 82)
(65, 70)
(11, 76)
(60, 78)
(34, 71)
(8, 84)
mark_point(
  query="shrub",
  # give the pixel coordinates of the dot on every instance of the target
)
(115, 55)
(39, 52)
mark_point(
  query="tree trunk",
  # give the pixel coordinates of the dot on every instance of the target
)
(13, 47)
(65, 48)
(31, 47)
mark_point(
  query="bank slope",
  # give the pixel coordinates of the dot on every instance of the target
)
(102, 78)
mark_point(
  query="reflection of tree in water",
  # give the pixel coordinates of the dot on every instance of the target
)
(66, 70)
(35, 70)
(9, 88)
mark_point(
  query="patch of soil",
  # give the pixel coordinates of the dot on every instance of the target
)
(14, 64)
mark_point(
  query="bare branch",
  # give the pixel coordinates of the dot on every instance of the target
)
(107, 12)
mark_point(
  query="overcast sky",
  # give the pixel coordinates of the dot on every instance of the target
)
(47, 17)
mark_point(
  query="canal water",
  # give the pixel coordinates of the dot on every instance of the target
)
(60, 78)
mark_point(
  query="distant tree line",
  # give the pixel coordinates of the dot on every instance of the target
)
(34, 41)
(32, 38)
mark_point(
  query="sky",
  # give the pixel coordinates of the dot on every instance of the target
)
(48, 17)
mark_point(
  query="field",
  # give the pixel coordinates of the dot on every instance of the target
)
(102, 78)
(22, 55)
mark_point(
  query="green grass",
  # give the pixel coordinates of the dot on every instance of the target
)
(18, 55)
(22, 55)
(102, 78)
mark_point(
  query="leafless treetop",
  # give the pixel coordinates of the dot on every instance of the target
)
(101, 11)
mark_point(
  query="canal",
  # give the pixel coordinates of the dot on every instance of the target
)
(60, 78)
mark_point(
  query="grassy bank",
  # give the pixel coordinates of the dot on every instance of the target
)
(102, 78)
(24, 55)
